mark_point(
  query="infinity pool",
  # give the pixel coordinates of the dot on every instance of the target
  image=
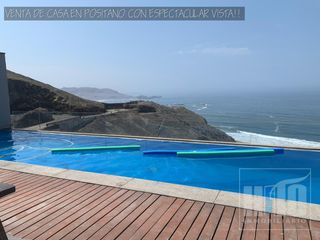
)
(236, 174)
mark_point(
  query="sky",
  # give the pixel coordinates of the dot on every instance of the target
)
(276, 49)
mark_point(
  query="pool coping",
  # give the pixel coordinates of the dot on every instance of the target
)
(258, 203)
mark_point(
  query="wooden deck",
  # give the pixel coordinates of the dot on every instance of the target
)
(51, 208)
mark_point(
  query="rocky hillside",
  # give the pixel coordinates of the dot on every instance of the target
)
(27, 94)
(149, 119)
(133, 118)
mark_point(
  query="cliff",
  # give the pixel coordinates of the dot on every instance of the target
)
(27, 94)
(148, 119)
(137, 118)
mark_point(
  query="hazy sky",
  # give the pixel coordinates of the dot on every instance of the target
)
(276, 48)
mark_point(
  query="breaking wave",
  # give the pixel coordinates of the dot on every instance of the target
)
(256, 138)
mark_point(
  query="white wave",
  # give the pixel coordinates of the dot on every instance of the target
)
(205, 106)
(277, 127)
(226, 127)
(255, 138)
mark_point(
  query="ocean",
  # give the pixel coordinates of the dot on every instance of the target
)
(277, 119)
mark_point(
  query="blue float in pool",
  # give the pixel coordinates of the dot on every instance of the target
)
(174, 152)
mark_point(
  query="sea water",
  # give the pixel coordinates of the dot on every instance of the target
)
(278, 119)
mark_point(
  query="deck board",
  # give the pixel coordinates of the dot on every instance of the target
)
(276, 227)
(237, 224)
(315, 230)
(199, 222)
(165, 218)
(175, 221)
(212, 223)
(117, 230)
(51, 208)
(262, 232)
(225, 223)
(136, 224)
(166, 202)
(289, 228)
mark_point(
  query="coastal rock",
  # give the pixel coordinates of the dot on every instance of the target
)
(162, 121)
(72, 113)
(34, 117)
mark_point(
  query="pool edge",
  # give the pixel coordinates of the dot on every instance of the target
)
(170, 139)
(279, 206)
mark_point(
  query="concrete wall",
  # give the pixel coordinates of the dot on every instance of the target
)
(5, 121)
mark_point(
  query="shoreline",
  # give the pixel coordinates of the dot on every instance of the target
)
(262, 139)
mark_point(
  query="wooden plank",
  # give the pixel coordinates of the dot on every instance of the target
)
(4, 174)
(11, 204)
(212, 223)
(289, 229)
(315, 229)
(303, 229)
(47, 208)
(134, 227)
(29, 226)
(175, 221)
(225, 223)
(120, 206)
(263, 226)
(23, 192)
(56, 233)
(9, 172)
(147, 225)
(15, 208)
(11, 176)
(22, 182)
(77, 221)
(17, 177)
(47, 224)
(250, 225)
(89, 220)
(100, 234)
(186, 223)
(276, 228)
(74, 188)
(236, 228)
(165, 218)
(117, 230)
(200, 221)
(20, 179)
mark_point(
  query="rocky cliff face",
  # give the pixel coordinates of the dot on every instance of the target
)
(31, 118)
(151, 119)
(27, 94)
(133, 118)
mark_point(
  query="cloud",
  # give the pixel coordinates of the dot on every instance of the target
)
(217, 51)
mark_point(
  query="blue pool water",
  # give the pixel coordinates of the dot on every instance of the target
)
(293, 168)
